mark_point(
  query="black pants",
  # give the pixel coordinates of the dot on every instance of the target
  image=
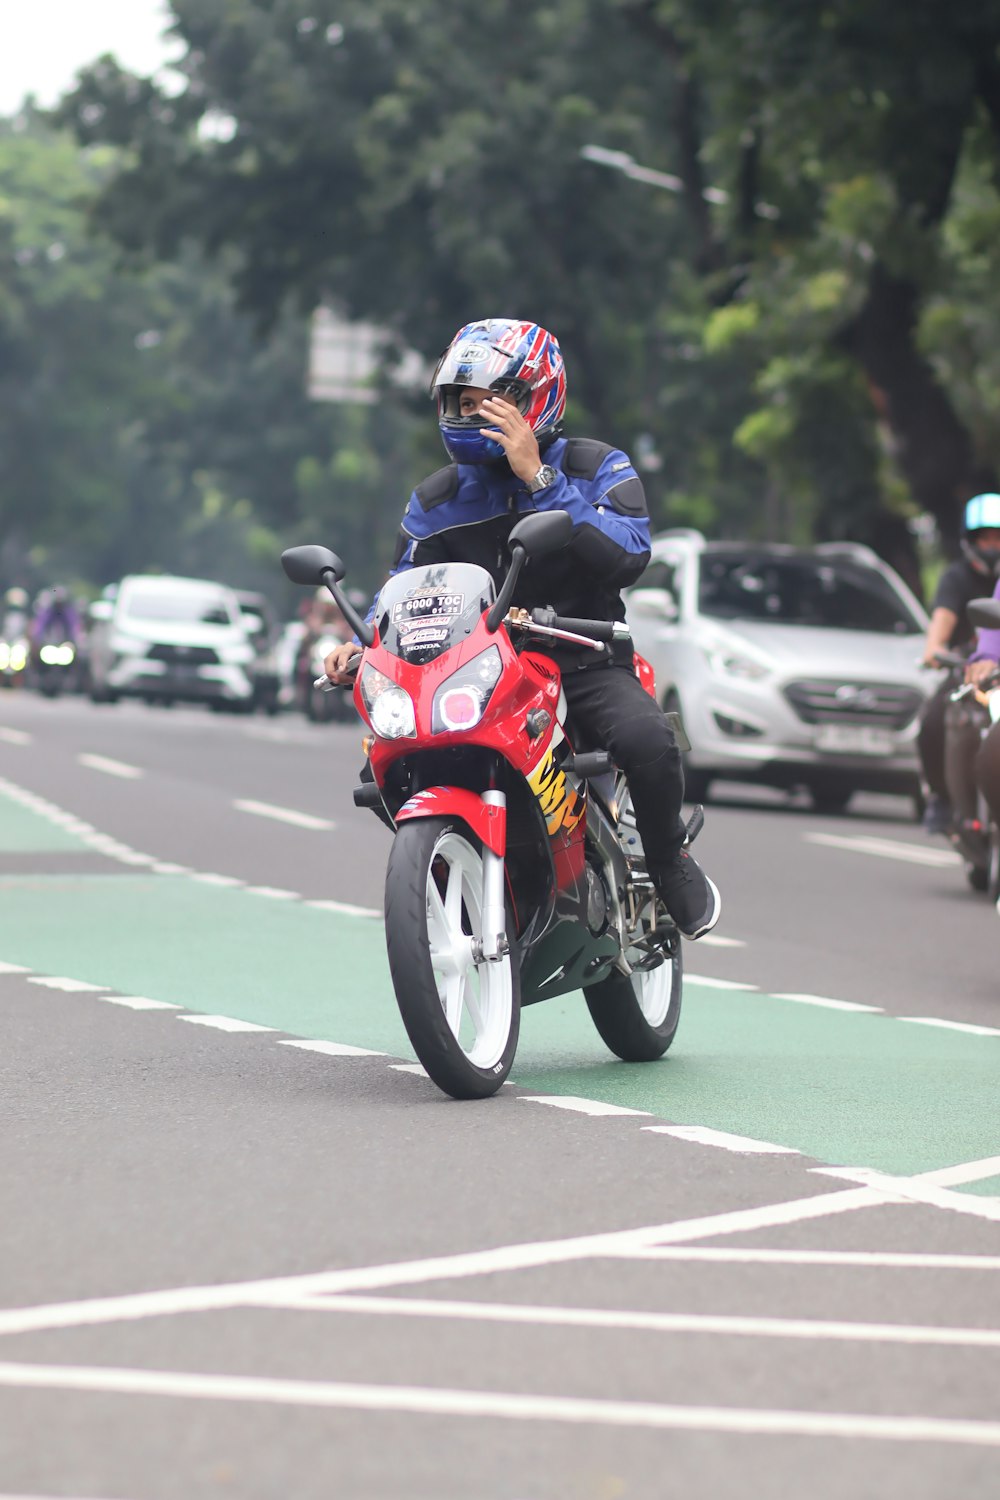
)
(931, 738)
(610, 710)
(964, 725)
(988, 770)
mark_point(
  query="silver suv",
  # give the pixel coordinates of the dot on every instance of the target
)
(795, 667)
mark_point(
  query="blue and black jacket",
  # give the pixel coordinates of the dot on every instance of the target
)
(465, 512)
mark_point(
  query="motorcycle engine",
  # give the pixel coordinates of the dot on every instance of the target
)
(597, 901)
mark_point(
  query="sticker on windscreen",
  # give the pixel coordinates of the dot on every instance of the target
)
(427, 608)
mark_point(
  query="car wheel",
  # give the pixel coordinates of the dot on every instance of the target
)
(831, 799)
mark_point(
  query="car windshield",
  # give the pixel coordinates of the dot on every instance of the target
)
(421, 613)
(186, 606)
(828, 593)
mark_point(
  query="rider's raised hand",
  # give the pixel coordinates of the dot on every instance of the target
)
(336, 662)
(978, 671)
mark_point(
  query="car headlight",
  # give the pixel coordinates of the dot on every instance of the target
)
(735, 664)
(18, 656)
(390, 707)
(461, 700)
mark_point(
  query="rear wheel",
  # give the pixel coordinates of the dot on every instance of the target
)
(637, 1015)
(462, 1017)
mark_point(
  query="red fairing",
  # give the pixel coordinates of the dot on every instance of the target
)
(645, 673)
(488, 823)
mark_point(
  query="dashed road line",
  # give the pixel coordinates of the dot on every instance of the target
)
(332, 1049)
(139, 1002)
(273, 892)
(345, 908)
(701, 1135)
(885, 849)
(284, 815)
(580, 1106)
(225, 1023)
(208, 877)
(14, 969)
(718, 984)
(70, 986)
(16, 737)
(821, 1000)
(110, 767)
(951, 1025)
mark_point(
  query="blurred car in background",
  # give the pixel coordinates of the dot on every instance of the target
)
(261, 625)
(794, 667)
(166, 639)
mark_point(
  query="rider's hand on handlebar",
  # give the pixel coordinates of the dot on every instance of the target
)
(978, 671)
(336, 662)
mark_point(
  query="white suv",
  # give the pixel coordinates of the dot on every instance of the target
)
(165, 638)
(791, 666)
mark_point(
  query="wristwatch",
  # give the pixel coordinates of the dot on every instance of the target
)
(546, 475)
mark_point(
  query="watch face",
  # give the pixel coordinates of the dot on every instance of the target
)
(546, 475)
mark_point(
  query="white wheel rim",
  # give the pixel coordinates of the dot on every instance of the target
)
(654, 991)
(477, 1000)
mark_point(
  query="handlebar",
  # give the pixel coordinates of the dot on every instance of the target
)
(950, 659)
(595, 630)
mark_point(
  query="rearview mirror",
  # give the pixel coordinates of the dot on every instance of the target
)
(543, 531)
(308, 564)
(984, 614)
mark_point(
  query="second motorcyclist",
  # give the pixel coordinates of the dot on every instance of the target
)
(500, 389)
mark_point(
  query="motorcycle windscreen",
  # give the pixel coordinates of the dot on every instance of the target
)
(423, 612)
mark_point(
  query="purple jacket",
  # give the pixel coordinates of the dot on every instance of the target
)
(988, 645)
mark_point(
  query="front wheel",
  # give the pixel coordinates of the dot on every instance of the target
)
(637, 1015)
(462, 1017)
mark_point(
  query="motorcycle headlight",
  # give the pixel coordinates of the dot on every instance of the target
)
(734, 664)
(390, 707)
(461, 700)
(18, 657)
(57, 656)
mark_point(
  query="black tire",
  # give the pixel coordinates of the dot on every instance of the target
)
(831, 799)
(978, 876)
(416, 847)
(622, 1024)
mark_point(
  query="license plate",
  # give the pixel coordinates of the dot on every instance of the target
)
(854, 739)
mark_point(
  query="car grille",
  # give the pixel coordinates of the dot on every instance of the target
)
(184, 656)
(882, 703)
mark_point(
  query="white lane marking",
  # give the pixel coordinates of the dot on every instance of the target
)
(830, 1004)
(133, 857)
(225, 1023)
(886, 849)
(273, 892)
(16, 736)
(922, 1190)
(139, 1002)
(717, 984)
(345, 907)
(951, 1025)
(332, 1049)
(867, 1259)
(70, 986)
(726, 1324)
(713, 940)
(283, 815)
(110, 767)
(212, 879)
(701, 1135)
(580, 1106)
(165, 867)
(518, 1257)
(417, 1068)
(512, 1406)
(14, 969)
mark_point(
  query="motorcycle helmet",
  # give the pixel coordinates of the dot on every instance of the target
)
(513, 358)
(16, 598)
(982, 514)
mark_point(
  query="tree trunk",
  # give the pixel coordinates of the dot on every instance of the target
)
(933, 448)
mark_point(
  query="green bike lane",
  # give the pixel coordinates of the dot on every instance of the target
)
(848, 1088)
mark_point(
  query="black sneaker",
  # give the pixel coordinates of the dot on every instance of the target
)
(689, 896)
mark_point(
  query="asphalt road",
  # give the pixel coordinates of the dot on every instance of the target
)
(234, 1264)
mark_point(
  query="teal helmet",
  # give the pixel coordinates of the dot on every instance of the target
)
(982, 513)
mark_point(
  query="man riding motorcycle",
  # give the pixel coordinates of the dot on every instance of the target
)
(965, 580)
(500, 389)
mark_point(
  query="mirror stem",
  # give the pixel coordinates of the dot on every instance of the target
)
(364, 632)
(501, 604)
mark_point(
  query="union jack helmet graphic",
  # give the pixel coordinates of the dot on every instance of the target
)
(504, 355)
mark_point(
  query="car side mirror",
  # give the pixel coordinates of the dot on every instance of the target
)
(984, 614)
(658, 604)
(308, 564)
(544, 531)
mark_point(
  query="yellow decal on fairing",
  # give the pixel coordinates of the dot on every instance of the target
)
(562, 806)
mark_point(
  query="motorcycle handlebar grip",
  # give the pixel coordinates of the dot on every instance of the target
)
(597, 630)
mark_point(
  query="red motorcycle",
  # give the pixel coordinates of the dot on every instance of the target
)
(516, 872)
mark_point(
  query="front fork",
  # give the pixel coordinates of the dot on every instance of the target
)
(493, 945)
